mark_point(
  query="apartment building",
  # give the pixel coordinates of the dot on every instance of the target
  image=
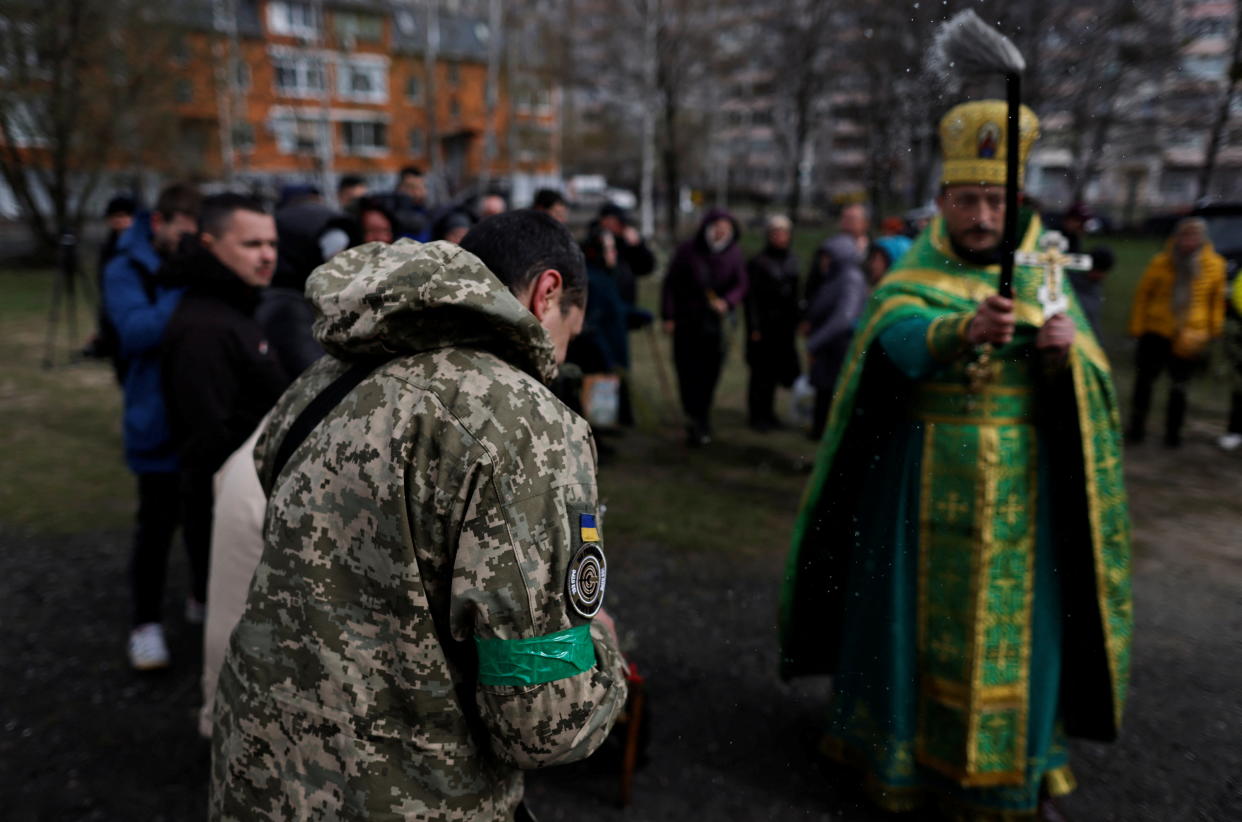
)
(269, 92)
(1156, 148)
(330, 88)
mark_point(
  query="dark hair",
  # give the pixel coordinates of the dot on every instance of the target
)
(611, 209)
(380, 206)
(452, 219)
(1102, 258)
(349, 181)
(518, 246)
(121, 204)
(179, 198)
(409, 171)
(876, 248)
(545, 198)
(218, 210)
(593, 243)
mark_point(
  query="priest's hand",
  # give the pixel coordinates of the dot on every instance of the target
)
(1056, 335)
(993, 322)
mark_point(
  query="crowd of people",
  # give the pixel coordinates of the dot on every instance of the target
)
(206, 320)
(235, 330)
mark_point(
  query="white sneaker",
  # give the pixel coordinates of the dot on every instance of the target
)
(1230, 442)
(195, 611)
(147, 649)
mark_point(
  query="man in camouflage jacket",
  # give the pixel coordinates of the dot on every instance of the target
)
(419, 628)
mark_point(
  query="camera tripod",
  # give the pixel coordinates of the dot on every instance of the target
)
(65, 286)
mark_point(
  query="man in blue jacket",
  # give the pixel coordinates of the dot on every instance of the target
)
(139, 304)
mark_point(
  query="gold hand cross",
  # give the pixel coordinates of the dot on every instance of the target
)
(1053, 261)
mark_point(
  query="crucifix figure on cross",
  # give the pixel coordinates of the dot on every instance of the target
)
(1053, 261)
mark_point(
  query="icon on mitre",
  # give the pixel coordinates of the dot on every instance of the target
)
(989, 139)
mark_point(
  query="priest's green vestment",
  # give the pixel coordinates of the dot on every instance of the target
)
(961, 559)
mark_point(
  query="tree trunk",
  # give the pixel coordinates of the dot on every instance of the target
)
(672, 168)
(1214, 140)
(430, 101)
(802, 132)
(493, 82)
(1222, 113)
(647, 187)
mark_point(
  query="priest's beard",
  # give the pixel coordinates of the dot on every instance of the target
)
(989, 256)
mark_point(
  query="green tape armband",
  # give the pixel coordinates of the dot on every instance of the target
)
(946, 336)
(536, 660)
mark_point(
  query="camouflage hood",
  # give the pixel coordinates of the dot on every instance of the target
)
(409, 297)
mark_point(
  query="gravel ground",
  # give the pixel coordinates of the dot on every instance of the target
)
(85, 738)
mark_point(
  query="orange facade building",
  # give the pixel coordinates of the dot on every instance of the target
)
(283, 91)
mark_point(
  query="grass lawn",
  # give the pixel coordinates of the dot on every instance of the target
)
(63, 470)
(60, 428)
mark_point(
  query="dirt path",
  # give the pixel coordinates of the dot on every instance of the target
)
(732, 743)
(84, 738)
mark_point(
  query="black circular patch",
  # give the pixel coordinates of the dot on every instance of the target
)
(586, 579)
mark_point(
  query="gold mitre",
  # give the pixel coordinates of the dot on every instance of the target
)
(974, 142)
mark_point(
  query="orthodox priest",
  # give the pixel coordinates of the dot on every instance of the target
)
(961, 559)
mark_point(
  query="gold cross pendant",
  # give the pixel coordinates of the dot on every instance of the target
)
(980, 373)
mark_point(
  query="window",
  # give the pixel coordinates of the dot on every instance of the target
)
(357, 27)
(454, 108)
(406, 23)
(454, 74)
(1177, 183)
(534, 142)
(294, 134)
(293, 19)
(242, 76)
(17, 48)
(184, 91)
(368, 138)
(414, 88)
(23, 122)
(528, 99)
(179, 51)
(417, 141)
(366, 81)
(243, 138)
(1207, 68)
(1206, 27)
(298, 76)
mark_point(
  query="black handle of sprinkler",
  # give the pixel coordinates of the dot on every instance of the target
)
(1013, 139)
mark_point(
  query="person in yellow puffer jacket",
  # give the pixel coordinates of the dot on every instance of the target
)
(1178, 309)
(1232, 438)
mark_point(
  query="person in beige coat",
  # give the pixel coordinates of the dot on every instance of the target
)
(236, 545)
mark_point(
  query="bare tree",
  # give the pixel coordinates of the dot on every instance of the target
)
(682, 40)
(86, 87)
(799, 40)
(1106, 53)
(431, 54)
(643, 74)
(1221, 120)
(883, 48)
(647, 189)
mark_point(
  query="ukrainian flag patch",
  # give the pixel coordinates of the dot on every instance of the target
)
(588, 530)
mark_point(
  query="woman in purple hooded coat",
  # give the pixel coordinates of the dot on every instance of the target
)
(706, 280)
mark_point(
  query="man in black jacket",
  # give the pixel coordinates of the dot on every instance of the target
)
(771, 323)
(219, 375)
(284, 314)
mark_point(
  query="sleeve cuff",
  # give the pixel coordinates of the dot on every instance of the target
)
(946, 336)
